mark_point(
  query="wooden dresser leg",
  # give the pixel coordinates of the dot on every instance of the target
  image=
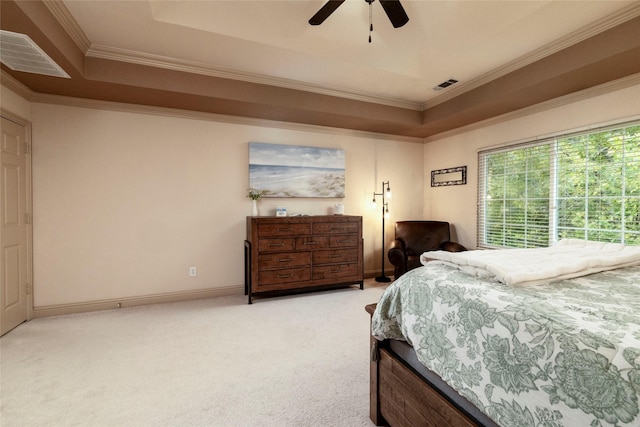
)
(247, 270)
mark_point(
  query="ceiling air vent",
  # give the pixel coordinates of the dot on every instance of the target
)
(20, 53)
(445, 84)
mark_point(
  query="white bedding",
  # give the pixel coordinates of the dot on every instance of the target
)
(520, 267)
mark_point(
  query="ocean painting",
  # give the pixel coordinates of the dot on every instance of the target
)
(296, 171)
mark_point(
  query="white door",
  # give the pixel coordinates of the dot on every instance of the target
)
(14, 227)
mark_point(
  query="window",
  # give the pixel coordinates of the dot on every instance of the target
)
(584, 186)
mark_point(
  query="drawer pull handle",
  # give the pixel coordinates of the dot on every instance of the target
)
(284, 260)
(285, 229)
(344, 241)
(271, 245)
(311, 243)
(284, 276)
(335, 256)
(335, 271)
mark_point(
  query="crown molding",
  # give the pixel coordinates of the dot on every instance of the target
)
(122, 107)
(64, 17)
(17, 87)
(591, 92)
(595, 28)
(11, 83)
(68, 22)
(193, 67)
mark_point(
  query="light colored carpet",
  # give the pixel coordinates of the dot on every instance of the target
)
(298, 360)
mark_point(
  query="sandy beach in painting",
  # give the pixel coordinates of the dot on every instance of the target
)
(292, 181)
(296, 171)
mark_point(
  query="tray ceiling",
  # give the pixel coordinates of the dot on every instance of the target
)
(269, 44)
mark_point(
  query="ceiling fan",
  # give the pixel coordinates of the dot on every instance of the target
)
(392, 8)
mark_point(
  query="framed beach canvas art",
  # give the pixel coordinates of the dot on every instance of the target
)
(296, 171)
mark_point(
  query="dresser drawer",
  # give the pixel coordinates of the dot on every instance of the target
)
(277, 230)
(338, 271)
(335, 257)
(283, 260)
(273, 245)
(335, 227)
(312, 243)
(344, 241)
(284, 275)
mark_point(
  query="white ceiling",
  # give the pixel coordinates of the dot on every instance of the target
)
(271, 41)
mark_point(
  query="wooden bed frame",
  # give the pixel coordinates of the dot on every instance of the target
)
(404, 393)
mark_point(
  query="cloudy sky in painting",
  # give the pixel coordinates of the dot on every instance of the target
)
(294, 155)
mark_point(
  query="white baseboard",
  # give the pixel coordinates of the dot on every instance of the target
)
(83, 307)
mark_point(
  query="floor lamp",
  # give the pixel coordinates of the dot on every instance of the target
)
(385, 214)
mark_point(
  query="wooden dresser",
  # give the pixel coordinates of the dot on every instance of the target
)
(302, 253)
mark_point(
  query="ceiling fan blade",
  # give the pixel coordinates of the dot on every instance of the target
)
(324, 12)
(395, 12)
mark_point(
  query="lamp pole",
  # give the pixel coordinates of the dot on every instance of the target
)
(385, 212)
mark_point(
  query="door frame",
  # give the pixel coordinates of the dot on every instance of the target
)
(29, 203)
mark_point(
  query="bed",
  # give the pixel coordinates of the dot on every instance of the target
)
(537, 339)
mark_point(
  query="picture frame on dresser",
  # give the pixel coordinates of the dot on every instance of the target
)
(299, 254)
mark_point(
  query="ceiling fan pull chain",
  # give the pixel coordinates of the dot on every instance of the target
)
(370, 20)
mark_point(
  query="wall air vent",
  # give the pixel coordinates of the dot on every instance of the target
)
(20, 53)
(445, 84)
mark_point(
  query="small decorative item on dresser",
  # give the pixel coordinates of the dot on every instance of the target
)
(254, 195)
(281, 211)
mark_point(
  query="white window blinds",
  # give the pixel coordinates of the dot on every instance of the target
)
(584, 186)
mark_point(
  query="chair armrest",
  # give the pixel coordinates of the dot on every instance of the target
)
(397, 253)
(452, 247)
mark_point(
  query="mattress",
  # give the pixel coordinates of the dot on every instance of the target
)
(565, 353)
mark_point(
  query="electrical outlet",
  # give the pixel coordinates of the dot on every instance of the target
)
(193, 271)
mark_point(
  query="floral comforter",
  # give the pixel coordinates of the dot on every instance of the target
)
(558, 354)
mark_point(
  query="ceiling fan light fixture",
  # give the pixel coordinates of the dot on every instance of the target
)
(370, 19)
(394, 10)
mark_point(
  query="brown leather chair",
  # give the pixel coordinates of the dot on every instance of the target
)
(413, 238)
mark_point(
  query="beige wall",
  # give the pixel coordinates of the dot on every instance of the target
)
(457, 204)
(14, 104)
(125, 202)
